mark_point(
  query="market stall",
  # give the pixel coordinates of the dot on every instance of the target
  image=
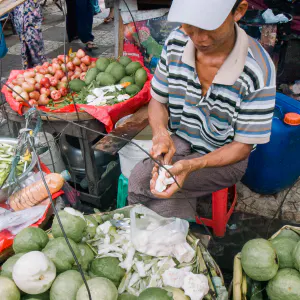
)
(130, 253)
(101, 98)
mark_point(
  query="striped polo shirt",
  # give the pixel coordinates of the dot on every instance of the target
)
(239, 104)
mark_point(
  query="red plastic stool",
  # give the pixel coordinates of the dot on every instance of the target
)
(220, 215)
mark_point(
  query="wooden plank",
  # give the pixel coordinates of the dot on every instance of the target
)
(116, 26)
(73, 116)
(82, 116)
(8, 5)
(129, 129)
(121, 36)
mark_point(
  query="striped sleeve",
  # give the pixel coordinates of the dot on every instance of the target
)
(159, 84)
(255, 116)
(254, 121)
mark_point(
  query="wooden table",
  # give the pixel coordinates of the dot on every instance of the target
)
(8, 5)
(129, 129)
(86, 137)
(110, 144)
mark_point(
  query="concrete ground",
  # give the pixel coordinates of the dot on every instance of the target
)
(53, 33)
(253, 212)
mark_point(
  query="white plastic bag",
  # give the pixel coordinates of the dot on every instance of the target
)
(16, 221)
(155, 235)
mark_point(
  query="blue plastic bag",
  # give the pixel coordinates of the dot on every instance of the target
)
(3, 48)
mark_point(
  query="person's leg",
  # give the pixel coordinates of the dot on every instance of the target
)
(27, 19)
(139, 181)
(71, 20)
(111, 12)
(109, 4)
(183, 203)
(85, 14)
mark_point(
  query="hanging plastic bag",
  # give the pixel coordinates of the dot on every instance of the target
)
(3, 48)
(155, 235)
(16, 221)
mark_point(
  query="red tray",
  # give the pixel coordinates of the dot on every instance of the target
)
(108, 115)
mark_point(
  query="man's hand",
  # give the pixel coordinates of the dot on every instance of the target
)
(180, 170)
(163, 146)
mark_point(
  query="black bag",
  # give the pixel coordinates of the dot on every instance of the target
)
(287, 6)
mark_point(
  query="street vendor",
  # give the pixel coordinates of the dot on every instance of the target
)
(214, 89)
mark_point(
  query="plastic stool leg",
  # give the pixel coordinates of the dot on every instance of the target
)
(219, 212)
(122, 191)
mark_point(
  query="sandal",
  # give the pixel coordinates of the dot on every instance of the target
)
(89, 46)
(108, 20)
(75, 38)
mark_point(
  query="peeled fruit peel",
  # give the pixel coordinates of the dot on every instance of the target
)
(259, 260)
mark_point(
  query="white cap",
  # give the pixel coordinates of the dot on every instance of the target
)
(204, 14)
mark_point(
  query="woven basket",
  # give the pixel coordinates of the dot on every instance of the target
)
(239, 286)
(205, 263)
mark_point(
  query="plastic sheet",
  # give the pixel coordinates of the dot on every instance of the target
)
(108, 115)
(6, 238)
(16, 221)
(154, 235)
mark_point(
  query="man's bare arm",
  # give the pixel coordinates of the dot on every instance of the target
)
(226, 155)
(158, 116)
(163, 145)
